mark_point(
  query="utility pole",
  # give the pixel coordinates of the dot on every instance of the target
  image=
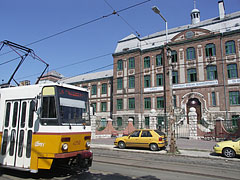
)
(171, 104)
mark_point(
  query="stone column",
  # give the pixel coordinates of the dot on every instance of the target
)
(153, 120)
(192, 123)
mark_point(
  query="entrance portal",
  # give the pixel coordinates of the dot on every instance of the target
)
(194, 102)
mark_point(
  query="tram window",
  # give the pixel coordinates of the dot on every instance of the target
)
(49, 108)
(4, 144)
(29, 144)
(23, 117)
(15, 112)
(31, 110)
(20, 144)
(12, 142)
(7, 114)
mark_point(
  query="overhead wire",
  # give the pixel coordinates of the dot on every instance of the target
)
(89, 58)
(83, 24)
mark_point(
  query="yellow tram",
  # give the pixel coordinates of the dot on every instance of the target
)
(45, 125)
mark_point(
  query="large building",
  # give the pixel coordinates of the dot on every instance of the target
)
(198, 66)
(202, 60)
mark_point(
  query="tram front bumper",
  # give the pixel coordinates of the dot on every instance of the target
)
(77, 159)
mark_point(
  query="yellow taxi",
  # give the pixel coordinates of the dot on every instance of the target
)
(228, 148)
(143, 138)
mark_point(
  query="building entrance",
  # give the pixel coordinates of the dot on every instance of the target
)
(194, 102)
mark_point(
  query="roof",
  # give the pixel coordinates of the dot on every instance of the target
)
(88, 77)
(229, 23)
(54, 73)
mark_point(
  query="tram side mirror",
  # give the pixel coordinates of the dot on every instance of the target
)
(36, 103)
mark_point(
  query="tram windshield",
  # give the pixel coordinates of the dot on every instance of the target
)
(66, 107)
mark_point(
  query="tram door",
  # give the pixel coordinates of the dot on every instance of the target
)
(17, 133)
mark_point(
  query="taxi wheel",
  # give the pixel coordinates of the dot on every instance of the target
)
(154, 147)
(229, 153)
(121, 145)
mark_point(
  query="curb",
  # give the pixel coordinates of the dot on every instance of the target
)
(182, 152)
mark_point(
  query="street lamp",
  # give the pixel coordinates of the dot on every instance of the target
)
(157, 11)
(171, 112)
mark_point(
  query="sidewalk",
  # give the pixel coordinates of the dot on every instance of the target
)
(186, 147)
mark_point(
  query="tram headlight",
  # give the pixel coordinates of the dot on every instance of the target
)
(88, 144)
(64, 147)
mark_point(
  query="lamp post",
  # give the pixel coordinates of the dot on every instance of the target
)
(171, 109)
(157, 11)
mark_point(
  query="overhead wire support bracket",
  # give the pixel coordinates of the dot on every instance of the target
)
(27, 51)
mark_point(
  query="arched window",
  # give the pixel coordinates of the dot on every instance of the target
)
(230, 47)
(210, 50)
(191, 53)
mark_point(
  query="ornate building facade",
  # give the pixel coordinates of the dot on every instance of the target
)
(198, 67)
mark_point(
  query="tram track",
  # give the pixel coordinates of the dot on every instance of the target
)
(174, 167)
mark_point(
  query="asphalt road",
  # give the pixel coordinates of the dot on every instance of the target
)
(121, 165)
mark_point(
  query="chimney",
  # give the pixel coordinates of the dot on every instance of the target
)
(221, 9)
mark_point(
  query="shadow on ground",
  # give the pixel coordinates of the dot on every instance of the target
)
(67, 175)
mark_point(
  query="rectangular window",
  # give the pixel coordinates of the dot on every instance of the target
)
(147, 81)
(131, 103)
(119, 83)
(120, 65)
(119, 104)
(147, 103)
(119, 121)
(174, 56)
(192, 75)
(94, 90)
(214, 99)
(104, 88)
(230, 47)
(147, 62)
(174, 77)
(49, 108)
(232, 71)
(211, 72)
(160, 102)
(159, 79)
(103, 106)
(131, 82)
(191, 53)
(234, 98)
(131, 63)
(159, 60)
(146, 121)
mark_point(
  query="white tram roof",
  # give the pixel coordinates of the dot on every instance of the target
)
(30, 91)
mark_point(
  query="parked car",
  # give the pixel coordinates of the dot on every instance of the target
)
(228, 148)
(143, 138)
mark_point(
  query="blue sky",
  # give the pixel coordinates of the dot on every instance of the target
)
(28, 21)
